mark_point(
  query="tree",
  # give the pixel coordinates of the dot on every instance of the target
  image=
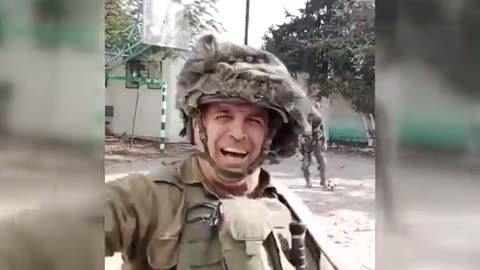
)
(200, 18)
(116, 21)
(332, 44)
(122, 13)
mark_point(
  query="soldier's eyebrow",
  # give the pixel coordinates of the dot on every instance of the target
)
(227, 109)
(260, 113)
(222, 109)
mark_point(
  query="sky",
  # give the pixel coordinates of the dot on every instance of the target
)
(263, 14)
(231, 14)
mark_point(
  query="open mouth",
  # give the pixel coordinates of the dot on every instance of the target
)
(232, 152)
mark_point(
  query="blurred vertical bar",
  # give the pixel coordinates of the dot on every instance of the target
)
(428, 158)
(51, 134)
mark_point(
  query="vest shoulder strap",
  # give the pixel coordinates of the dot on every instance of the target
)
(167, 173)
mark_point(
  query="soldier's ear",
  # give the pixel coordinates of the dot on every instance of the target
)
(195, 124)
(196, 133)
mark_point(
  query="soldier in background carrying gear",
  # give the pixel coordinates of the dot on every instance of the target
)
(315, 144)
(217, 208)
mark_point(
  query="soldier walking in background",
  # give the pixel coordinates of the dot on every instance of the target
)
(314, 144)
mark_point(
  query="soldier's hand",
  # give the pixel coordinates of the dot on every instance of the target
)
(324, 147)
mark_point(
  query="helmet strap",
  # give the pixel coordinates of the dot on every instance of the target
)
(222, 174)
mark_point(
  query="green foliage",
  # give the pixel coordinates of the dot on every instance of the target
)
(332, 43)
(200, 17)
(117, 20)
(122, 13)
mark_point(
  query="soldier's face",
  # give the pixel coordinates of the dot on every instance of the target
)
(235, 133)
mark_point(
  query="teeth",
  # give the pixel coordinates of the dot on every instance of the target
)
(236, 151)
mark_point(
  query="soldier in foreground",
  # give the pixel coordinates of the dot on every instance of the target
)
(314, 143)
(217, 208)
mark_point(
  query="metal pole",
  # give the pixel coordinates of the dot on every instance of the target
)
(163, 124)
(247, 18)
(134, 117)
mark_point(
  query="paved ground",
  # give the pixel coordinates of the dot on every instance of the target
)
(347, 214)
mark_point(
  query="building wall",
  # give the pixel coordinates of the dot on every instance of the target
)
(174, 121)
(344, 123)
(55, 92)
(149, 109)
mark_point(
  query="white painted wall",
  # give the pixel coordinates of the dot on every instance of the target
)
(148, 118)
(57, 93)
(338, 115)
(342, 116)
(174, 121)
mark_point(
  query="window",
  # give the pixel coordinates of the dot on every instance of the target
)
(138, 69)
(133, 69)
(108, 111)
(155, 73)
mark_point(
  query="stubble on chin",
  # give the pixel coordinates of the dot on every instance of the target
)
(240, 188)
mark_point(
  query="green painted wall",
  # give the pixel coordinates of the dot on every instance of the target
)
(345, 124)
(347, 128)
(435, 129)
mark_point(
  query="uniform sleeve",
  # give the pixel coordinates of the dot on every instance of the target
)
(136, 206)
(127, 212)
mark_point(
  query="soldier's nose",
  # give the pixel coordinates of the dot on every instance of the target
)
(236, 130)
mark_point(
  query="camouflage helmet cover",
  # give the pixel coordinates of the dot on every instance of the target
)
(314, 119)
(224, 70)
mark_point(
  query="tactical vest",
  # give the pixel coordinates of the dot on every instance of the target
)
(226, 234)
(308, 144)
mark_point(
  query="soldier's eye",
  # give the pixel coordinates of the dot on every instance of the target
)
(256, 121)
(222, 117)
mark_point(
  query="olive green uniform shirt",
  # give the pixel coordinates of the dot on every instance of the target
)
(141, 211)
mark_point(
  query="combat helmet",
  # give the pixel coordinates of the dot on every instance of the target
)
(220, 71)
(314, 119)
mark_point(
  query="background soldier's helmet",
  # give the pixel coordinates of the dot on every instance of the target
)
(314, 119)
(226, 72)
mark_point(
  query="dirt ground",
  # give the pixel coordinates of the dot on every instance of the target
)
(346, 214)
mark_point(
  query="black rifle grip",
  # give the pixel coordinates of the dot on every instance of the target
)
(297, 252)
